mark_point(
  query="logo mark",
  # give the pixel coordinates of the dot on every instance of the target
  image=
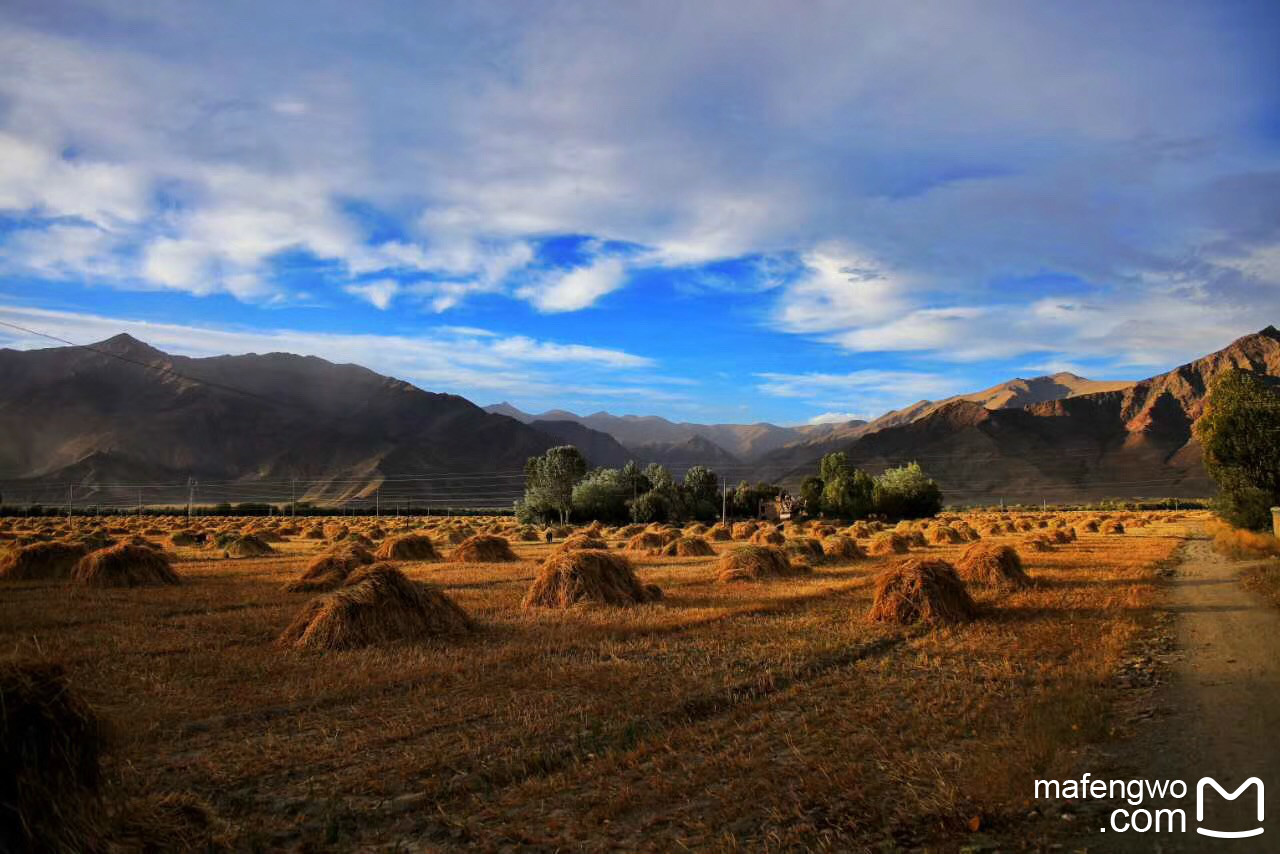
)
(1231, 796)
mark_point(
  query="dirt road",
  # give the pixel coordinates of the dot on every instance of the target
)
(1219, 715)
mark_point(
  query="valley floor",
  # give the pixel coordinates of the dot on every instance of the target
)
(747, 717)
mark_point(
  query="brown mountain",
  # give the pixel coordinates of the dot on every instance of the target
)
(1134, 441)
(739, 441)
(122, 418)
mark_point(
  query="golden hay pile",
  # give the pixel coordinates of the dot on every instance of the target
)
(993, 566)
(328, 570)
(840, 547)
(648, 541)
(688, 547)
(720, 533)
(53, 560)
(185, 538)
(743, 530)
(579, 542)
(1039, 543)
(768, 537)
(628, 531)
(887, 543)
(1113, 527)
(920, 591)
(590, 576)
(945, 535)
(335, 531)
(407, 547)
(1091, 526)
(806, 548)
(377, 605)
(527, 534)
(125, 565)
(860, 530)
(249, 545)
(1062, 536)
(49, 763)
(755, 563)
(483, 548)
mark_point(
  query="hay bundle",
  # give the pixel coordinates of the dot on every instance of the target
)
(458, 536)
(376, 605)
(755, 563)
(1061, 536)
(992, 530)
(407, 547)
(840, 547)
(743, 530)
(860, 530)
(172, 821)
(315, 532)
(768, 537)
(588, 576)
(579, 542)
(249, 545)
(697, 529)
(628, 531)
(483, 548)
(920, 591)
(49, 763)
(335, 531)
(528, 534)
(1091, 526)
(720, 533)
(688, 547)
(887, 543)
(41, 561)
(1115, 526)
(94, 540)
(125, 565)
(993, 566)
(916, 538)
(1024, 525)
(647, 541)
(329, 570)
(806, 548)
(945, 535)
(1039, 543)
(184, 538)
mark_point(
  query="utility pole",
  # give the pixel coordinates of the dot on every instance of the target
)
(724, 502)
(139, 503)
(293, 500)
(191, 495)
(377, 504)
(70, 497)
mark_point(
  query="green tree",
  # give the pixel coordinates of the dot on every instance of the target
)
(634, 480)
(1239, 433)
(653, 506)
(550, 478)
(659, 478)
(603, 495)
(906, 493)
(849, 493)
(811, 493)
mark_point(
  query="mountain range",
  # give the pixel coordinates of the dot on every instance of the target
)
(120, 417)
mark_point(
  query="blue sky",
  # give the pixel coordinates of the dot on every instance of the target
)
(709, 211)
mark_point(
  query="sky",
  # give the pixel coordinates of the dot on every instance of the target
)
(712, 211)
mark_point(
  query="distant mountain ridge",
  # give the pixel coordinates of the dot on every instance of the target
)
(1130, 441)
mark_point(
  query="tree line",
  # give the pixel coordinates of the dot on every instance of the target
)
(559, 485)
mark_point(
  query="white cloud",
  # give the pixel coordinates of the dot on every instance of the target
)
(834, 418)
(576, 289)
(808, 385)
(379, 294)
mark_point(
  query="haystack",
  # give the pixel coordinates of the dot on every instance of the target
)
(49, 763)
(806, 548)
(407, 547)
(887, 543)
(920, 591)
(1063, 535)
(688, 547)
(185, 538)
(628, 531)
(41, 561)
(527, 534)
(483, 548)
(647, 541)
(720, 533)
(1091, 526)
(743, 530)
(840, 547)
(378, 604)
(768, 537)
(579, 542)
(945, 535)
(1039, 543)
(993, 566)
(589, 576)
(1113, 527)
(335, 531)
(125, 565)
(249, 545)
(329, 570)
(860, 530)
(755, 563)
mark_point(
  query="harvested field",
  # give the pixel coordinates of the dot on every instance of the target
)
(591, 728)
